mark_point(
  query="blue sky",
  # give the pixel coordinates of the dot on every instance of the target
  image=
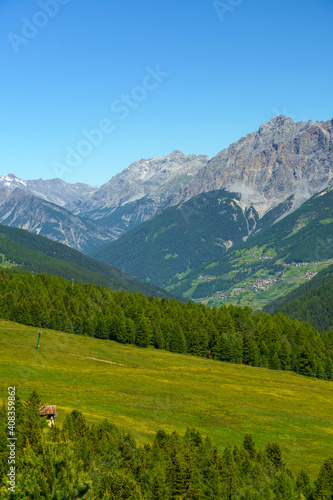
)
(88, 87)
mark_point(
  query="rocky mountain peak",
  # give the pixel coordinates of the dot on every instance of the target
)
(177, 154)
(280, 160)
(280, 124)
(158, 178)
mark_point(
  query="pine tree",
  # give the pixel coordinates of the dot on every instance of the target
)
(117, 329)
(158, 339)
(142, 337)
(283, 487)
(303, 484)
(52, 473)
(249, 445)
(130, 327)
(33, 422)
(177, 341)
(223, 348)
(75, 426)
(329, 369)
(117, 486)
(284, 356)
(101, 330)
(156, 489)
(176, 477)
(324, 482)
(307, 361)
(275, 363)
(274, 455)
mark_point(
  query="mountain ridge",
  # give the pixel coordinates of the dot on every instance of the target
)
(53, 190)
(279, 160)
(26, 211)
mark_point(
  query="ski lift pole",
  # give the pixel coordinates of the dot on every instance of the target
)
(39, 332)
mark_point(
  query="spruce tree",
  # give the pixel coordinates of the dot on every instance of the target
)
(142, 337)
(249, 445)
(274, 455)
(177, 341)
(33, 422)
(324, 482)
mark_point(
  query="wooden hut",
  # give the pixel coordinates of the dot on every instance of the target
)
(49, 412)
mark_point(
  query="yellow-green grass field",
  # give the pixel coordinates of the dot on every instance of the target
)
(150, 389)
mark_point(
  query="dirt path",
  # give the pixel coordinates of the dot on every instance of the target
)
(96, 359)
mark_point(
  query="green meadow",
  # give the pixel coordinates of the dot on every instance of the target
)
(4, 263)
(143, 390)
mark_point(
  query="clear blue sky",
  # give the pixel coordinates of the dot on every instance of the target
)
(221, 75)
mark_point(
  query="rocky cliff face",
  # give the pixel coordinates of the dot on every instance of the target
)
(53, 190)
(20, 209)
(156, 179)
(282, 159)
(266, 167)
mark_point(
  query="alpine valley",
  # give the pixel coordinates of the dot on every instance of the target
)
(156, 396)
(246, 226)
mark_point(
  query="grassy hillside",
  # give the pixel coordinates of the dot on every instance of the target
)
(41, 255)
(146, 390)
(312, 302)
(232, 334)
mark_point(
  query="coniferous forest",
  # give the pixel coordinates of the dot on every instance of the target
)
(102, 462)
(232, 334)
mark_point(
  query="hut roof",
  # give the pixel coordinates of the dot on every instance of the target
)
(47, 410)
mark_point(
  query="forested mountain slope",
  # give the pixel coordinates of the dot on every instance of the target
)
(196, 248)
(38, 254)
(271, 262)
(312, 302)
(181, 238)
(232, 334)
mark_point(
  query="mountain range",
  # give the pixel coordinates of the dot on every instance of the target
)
(184, 213)
(53, 190)
(142, 190)
(26, 211)
(280, 160)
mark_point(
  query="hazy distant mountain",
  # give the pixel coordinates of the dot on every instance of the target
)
(54, 190)
(23, 210)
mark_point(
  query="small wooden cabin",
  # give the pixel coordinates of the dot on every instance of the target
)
(49, 412)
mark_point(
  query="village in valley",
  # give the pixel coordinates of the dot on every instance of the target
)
(254, 288)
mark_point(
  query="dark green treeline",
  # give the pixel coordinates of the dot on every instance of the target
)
(102, 462)
(232, 334)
